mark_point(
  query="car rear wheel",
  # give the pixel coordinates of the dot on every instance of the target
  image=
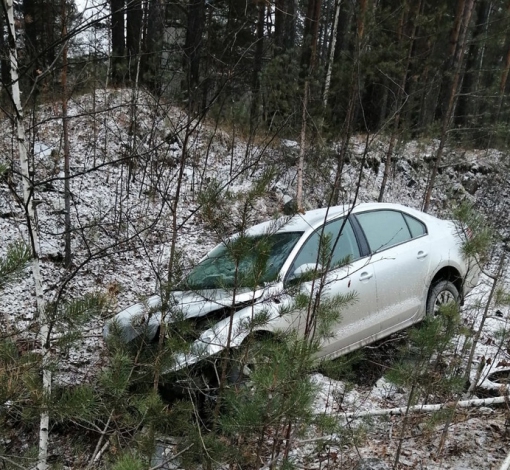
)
(441, 293)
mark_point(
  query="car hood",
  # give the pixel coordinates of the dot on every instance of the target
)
(198, 304)
(145, 317)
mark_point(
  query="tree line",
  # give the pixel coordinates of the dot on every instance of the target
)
(399, 66)
(323, 70)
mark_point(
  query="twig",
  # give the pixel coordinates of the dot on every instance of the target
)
(6, 459)
(99, 450)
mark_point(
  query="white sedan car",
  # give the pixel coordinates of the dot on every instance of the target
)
(399, 264)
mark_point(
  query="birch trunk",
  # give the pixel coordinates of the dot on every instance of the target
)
(302, 150)
(506, 464)
(28, 193)
(429, 408)
(331, 56)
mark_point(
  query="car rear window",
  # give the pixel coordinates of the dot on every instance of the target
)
(416, 227)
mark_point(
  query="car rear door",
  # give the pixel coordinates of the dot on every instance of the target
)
(401, 254)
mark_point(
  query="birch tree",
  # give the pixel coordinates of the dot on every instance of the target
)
(31, 219)
(331, 55)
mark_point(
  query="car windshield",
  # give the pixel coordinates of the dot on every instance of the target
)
(245, 261)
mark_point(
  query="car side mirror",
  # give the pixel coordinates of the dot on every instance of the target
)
(305, 271)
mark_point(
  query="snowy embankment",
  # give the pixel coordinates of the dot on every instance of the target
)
(125, 168)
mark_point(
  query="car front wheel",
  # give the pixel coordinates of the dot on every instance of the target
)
(441, 293)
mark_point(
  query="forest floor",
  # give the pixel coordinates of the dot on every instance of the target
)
(122, 219)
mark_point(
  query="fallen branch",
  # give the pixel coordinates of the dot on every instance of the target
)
(98, 451)
(429, 408)
(416, 409)
(98, 456)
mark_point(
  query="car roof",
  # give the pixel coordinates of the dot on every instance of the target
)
(311, 219)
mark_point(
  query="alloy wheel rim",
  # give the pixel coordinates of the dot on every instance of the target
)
(443, 298)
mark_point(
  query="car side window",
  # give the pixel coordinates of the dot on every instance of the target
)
(344, 250)
(384, 228)
(416, 227)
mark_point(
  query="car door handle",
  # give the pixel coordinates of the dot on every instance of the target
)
(422, 254)
(365, 276)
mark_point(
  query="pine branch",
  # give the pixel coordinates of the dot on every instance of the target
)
(18, 254)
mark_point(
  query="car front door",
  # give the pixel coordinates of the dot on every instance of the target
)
(347, 289)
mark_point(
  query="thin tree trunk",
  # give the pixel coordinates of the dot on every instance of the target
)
(331, 55)
(453, 46)
(504, 79)
(94, 99)
(257, 67)
(152, 76)
(67, 174)
(118, 41)
(193, 52)
(468, 101)
(134, 21)
(133, 117)
(284, 25)
(322, 38)
(302, 149)
(308, 62)
(33, 234)
(353, 98)
(404, 425)
(4, 64)
(206, 83)
(476, 339)
(478, 333)
(504, 75)
(447, 118)
(398, 106)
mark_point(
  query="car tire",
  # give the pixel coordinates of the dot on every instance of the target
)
(243, 361)
(253, 352)
(441, 293)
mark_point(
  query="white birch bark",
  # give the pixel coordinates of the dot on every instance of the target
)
(430, 408)
(329, 67)
(28, 201)
(506, 464)
(302, 150)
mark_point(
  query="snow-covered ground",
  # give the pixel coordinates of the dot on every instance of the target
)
(121, 214)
